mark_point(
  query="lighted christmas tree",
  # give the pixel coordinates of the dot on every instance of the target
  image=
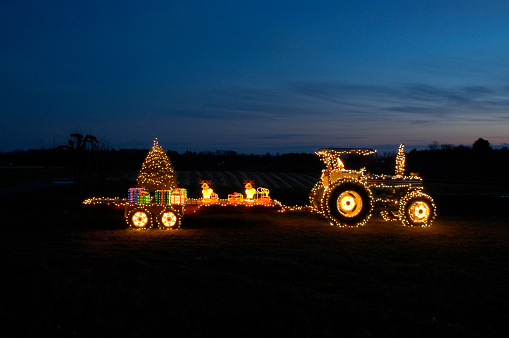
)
(157, 171)
(400, 161)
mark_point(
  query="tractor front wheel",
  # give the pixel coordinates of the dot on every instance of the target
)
(417, 209)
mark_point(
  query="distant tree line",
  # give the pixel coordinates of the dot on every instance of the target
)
(477, 162)
(90, 160)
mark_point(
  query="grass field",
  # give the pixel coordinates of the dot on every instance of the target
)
(70, 271)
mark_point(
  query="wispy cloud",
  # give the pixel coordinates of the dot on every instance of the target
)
(413, 103)
(410, 109)
(281, 136)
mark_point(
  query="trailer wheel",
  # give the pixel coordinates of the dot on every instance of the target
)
(417, 209)
(348, 202)
(168, 219)
(140, 218)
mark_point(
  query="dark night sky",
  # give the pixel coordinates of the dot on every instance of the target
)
(254, 76)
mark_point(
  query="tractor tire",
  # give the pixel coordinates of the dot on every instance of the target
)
(168, 219)
(417, 209)
(139, 218)
(348, 202)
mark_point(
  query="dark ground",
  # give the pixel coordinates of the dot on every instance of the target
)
(72, 271)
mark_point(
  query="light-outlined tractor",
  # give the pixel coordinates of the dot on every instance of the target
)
(349, 197)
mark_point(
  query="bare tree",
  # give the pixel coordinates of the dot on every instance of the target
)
(79, 147)
(434, 145)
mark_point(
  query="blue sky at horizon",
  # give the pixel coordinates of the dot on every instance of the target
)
(254, 77)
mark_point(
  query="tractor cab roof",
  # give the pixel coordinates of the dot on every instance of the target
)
(340, 151)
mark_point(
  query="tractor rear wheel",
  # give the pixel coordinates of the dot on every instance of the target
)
(348, 202)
